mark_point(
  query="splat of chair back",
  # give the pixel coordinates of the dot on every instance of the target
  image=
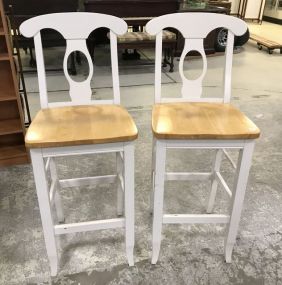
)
(195, 27)
(75, 28)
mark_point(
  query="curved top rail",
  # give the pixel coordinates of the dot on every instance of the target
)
(79, 24)
(196, 25)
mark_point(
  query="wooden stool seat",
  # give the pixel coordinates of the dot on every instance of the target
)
(79, 125)
(201, 121)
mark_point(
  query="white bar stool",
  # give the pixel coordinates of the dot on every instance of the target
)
(81, 126)
(193, 122)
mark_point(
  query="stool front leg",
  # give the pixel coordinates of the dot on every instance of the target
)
(45, 208)
(158, 199)
(240, 184)
(214, 183)
(129, 201)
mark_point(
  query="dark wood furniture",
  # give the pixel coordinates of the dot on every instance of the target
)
(142, 40)
(131, 10)
(12, 129)
(23, 10)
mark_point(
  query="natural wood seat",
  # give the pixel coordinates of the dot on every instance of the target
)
(77, 125)
(201, 121)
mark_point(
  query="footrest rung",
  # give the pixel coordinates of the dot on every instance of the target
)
(196, 219)
(183, 176)
(89, 226)
(75, 182)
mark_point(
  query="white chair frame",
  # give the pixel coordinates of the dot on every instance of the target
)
(194, 28)
(80, 93)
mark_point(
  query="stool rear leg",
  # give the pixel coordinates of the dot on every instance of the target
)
(214, 183)
(57, 198)
(240, 183)
(129, 201)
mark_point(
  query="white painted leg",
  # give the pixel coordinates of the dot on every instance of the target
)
(129, 201)
(214, 183)
(153, 175)
(57, 198)
(120, 197)
(240, 183)
(45, 209)
(158, 199)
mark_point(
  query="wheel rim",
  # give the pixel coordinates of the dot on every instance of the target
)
(222, 37)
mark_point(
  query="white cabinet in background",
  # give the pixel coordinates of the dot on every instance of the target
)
(248, 9)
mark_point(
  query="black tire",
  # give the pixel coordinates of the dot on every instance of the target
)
(240, 41)
(220, 40)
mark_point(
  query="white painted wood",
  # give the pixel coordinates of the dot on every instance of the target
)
(158, 67)
(52, 191)
(56, 191)
(120, 184)
(93, 102)
(241, 179)
(80, 92)
(44, 207)
(158, 199)
(75, 28)
(205, 144)
(192, 88)
(129, 201)
(153, 166)
(82, 149)
(114, 61)
(67, 24)
(192, 99)
(75, 35)
(223, 183)
(84, 181)
(194, 27)
(214, 183)
(195, 219)
(228, 67)
(229, 158)
(121, 181)
(47, 164)
(42, 84)
(187, 176)
(89, 226)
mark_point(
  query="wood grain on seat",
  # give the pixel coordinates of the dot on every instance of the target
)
(201, 121)
(77, 125)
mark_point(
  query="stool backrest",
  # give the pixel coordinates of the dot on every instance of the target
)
(75, 28)
(195, 27)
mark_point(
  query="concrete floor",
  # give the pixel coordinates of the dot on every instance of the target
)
(189, 254)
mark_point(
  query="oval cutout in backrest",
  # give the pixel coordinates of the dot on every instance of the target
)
(193, 65)
(77, 61)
